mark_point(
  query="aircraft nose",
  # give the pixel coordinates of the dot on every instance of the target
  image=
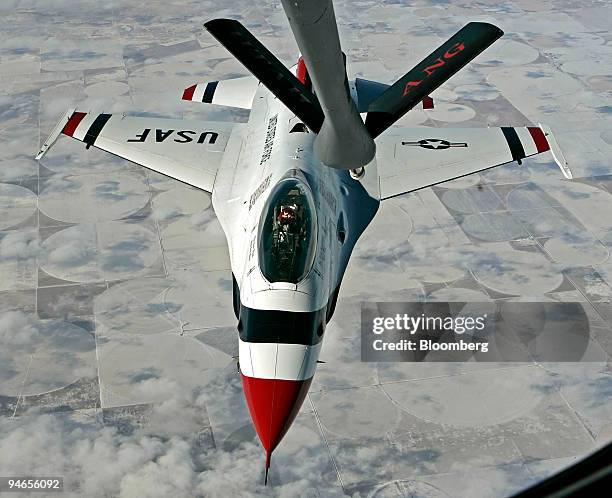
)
(275, 379)
(274, 404)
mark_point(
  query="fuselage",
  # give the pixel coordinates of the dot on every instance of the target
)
(291, 224)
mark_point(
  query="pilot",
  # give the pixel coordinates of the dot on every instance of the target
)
(287, 215)
(287, 223)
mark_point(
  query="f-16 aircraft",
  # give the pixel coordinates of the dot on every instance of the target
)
(295, 187)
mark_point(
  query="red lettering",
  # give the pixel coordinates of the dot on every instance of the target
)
(454, 50)
(409, 86)
(431, 69)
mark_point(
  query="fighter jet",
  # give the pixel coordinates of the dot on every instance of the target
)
(296, 186)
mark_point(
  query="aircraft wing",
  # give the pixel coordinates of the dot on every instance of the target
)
(410, 159)
(189, 151)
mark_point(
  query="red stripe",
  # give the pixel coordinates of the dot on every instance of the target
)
(301, 72)
(188, 93)
(73, 122)
(539, 138)
(428, 103)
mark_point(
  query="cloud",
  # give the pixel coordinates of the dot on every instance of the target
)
(17, 168)
(600, 290)
(73, 253)
(19, 245)
(17, 331)
(98, 460)
(110, 191)
(59, 184)
(171, 474)
(201, 219)
(168, 456)
(166, 213)
(7, 109)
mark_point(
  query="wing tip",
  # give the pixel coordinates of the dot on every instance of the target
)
(556, 151)
(69, 118)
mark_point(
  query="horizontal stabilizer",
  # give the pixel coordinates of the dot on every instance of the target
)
(236, 92)
(429, 74)
(268, 69)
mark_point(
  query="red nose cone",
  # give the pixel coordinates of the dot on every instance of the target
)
(273, 404)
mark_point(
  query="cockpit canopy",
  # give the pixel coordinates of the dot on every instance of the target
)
(287, 233)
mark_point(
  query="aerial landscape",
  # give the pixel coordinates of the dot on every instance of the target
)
(118, 340)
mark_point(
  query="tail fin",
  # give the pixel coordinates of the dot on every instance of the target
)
(268, 69)
(343, 142)
(429, 74)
